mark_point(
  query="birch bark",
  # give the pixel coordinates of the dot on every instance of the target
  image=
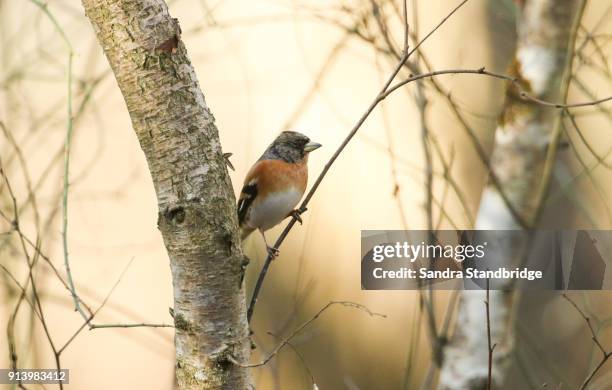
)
(523, 138)
(197, 215)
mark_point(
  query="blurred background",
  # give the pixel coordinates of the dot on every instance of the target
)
(267, 66)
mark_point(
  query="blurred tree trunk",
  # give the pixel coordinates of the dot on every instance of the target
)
(197, 215)
(526, 135)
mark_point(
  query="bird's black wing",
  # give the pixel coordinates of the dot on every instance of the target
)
(247, 196)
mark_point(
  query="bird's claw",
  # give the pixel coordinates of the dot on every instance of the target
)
(273, 252)
(297, 214)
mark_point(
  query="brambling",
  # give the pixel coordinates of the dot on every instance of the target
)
(275, 184)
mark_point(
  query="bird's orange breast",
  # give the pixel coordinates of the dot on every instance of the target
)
(278, 176)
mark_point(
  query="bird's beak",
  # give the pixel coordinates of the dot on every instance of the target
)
(309, 147)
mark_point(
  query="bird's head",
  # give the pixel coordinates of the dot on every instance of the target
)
(290, 146)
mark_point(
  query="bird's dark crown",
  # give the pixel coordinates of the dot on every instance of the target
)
(288, 146)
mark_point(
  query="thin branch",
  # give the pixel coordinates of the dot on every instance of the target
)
(379, 98)
(491, 347)
(36, 305)
(589, 324)
(301, 327)
(21, 288)
(481, 152)
(596, 185)
(140, 325)
(586, 143)
(521, 91)
(303, 360)
(448, 178)
(69, 128)
(91, 317)
(605, 355)
(553, 141)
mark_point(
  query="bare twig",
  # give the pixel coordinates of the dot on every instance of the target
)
(140, 325)
(586, 143)
(36, 304)
(382, 94)
(304, 325)
(68, 139)
(605, 355)
(491, 346)
(553, 143)
(481, 152)
(302, 359)
(91, 317)
(521, 91)
(596, 185)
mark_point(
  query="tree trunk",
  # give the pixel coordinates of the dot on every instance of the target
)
(525, 132)
(197, 214)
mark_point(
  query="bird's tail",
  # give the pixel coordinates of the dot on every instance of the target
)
(245, 231)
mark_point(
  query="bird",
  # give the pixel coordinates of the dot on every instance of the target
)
(274, 185)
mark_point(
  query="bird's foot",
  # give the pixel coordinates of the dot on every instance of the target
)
(297, 214)
(272, 252)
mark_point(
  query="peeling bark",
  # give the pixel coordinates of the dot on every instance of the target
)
(197, 216)
(524, 132)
